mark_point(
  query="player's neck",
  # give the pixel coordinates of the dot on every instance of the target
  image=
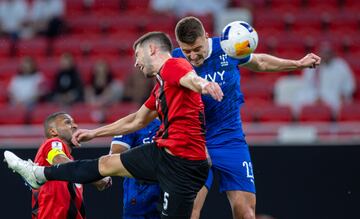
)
(162, 58)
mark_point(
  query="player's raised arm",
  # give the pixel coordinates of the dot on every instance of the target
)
(200, 85)
(130, 123)
(269, 63)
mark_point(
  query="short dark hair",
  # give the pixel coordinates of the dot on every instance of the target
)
(188, 29)
(49, 120)
(160, 37)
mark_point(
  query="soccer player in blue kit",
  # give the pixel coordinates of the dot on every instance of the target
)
(140, 199)
(225, 139)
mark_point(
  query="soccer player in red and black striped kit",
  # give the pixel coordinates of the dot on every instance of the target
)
(59, 199)
(176, 160)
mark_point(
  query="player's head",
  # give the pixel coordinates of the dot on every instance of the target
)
(61, 125)
(149, 49)
(192, 39)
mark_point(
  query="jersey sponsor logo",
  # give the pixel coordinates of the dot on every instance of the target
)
(223, 60)
(216, 76)
(56, 145)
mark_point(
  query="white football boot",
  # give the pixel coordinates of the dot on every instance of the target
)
(24, 168)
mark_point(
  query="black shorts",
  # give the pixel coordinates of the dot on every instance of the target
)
(179, 179)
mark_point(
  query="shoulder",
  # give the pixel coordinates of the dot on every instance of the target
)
(54, 143)
(177, 53)
(176, 62)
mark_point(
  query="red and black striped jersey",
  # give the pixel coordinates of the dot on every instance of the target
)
(56, 199)
(180, 110)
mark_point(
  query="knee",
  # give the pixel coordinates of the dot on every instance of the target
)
(104, 165)
(248, 214)
(244, 212)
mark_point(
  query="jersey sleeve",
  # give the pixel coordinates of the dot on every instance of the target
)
(52, 149)
(150, 103)
(245, 60)
(124, 140)
(175, 69)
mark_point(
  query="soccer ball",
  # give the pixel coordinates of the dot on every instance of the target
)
(238, 39)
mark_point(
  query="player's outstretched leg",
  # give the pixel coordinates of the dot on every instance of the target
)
(80, 171)
(24, 168)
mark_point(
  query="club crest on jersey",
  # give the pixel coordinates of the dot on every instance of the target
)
(56, 145)
(223, 60)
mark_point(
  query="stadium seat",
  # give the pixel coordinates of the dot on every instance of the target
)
(8, 68)
(84, 24)
(36, 47)
(106, 5)
(3, 93)
(315, 113)
(122, 68)
(255, 89)
(12, 115)
(85, 113)
(274, 113)
(350, 112)
(120, 110)
(138, 5)
(5, 45)
(77, 45)
(74, 7)
(247, 114)
(42, 110)
(105, 46)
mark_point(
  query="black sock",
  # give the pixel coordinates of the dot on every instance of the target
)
(80, 171)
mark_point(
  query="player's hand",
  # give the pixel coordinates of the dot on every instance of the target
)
(310, 61)
(103, 184)
(82, 135)
(213, 89)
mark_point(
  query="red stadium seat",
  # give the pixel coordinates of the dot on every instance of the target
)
(74, 7)
(12, 115)
(32, 47)
(256, 89)
(5, 45)
(138, 5)
(106, 5)
(350, 112)
(77, 45)
(8, 68)
(274, 113)
(41, 111)
(105, 46)
(84, 113)
(85, 24)
(120, 110)
(122, 68)
(3, 93)
(315, 113)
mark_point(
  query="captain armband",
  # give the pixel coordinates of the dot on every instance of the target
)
(53, 153)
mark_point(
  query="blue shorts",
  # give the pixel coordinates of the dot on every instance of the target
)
(234, 167)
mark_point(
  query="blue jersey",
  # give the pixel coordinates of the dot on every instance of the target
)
(223, 122)
(139, 199)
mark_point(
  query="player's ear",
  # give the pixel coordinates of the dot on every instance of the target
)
(152, 48)
(52, 132)
(206, 35)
